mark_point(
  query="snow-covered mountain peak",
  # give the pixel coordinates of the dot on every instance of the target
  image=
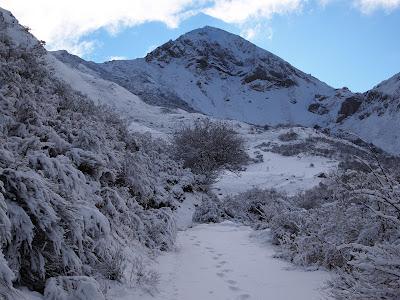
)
(210, 49)
(196, 42)
(221, 74)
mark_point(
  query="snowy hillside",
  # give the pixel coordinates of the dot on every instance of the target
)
(376, 115)
(223, 75)
(142, 117)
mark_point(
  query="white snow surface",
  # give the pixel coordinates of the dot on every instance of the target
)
(225, 261)
(232, 261)
(289, 174)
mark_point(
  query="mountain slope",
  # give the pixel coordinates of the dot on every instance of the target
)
(138, 82)
(376, 115)
(222, 75)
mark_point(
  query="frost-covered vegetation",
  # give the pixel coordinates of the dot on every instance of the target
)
(76, 188)
(84, 202)
(350, 223)
(208, 147)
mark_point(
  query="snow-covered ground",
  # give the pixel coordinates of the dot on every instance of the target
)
(290, 174)
(218, 261)
(224, 261)
(229, 260)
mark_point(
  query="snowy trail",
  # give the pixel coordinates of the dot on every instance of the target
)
(222, 261)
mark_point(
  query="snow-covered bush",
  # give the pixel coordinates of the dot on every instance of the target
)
(141, 275)
(288, 136)
(210, 210)
(256, 207)
(373, 273)
(207, 147)
(77, 190)
(72, 288)
(342, 150)
(349, 223)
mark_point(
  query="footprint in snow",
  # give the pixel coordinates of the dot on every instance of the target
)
(234, 288)
(232, 282)
(244, 297)
(220, 264)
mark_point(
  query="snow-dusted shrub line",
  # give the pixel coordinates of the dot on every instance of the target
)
(350, 223)
(78, 192)
(288, 136)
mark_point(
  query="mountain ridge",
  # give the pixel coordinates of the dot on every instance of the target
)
(220, 74)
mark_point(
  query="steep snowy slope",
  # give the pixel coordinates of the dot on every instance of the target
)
(141, 116)
(376, 115)
(138, 82)
(223, 75)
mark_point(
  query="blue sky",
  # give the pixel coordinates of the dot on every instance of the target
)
(353, 43)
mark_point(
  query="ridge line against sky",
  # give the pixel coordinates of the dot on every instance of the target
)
(87, 28)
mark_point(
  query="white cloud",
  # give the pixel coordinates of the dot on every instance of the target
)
(64, 24)
(117, 58)
(369, 6)
(250, 32)
(239, 11)
(324, 3)
(270, 33)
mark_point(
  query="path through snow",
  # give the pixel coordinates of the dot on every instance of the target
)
(222, 261)
(225, 261)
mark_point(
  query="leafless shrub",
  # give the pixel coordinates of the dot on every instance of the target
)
(288, 136)
(113, 266)
(143, 277)
(209, 211)
(207, 147)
